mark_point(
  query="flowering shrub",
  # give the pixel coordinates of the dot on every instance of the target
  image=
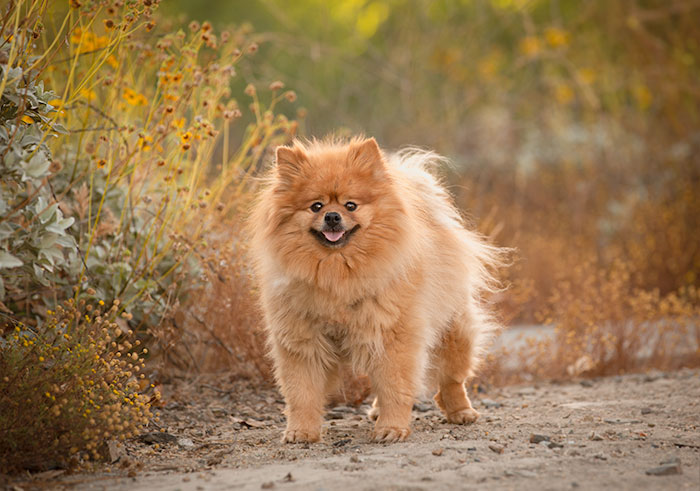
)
(68, 387)
(111, 181)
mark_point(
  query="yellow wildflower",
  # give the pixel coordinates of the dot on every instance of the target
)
(564, 94)
(144, 144)
(134, 98)
(587, 75)
(556, 37)
(112, 61)
(530, 46)
(186, 137)
(88, 94)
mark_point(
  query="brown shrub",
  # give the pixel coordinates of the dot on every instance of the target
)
(68, 387)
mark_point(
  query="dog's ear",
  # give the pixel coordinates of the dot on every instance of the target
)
(289, 161)
(366, 155)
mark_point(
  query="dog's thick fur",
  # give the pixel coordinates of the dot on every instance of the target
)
(398, 296)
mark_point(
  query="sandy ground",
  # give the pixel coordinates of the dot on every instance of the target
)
(604, 433)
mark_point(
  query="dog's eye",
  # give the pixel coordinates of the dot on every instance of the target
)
(316, 207)
(350, 206)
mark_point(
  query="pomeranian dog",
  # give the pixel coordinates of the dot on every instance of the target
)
(363, 261)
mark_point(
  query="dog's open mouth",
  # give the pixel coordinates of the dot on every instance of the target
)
(334, 238)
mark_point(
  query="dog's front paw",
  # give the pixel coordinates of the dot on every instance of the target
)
(463, 416)
(389, 434)
(301, 436)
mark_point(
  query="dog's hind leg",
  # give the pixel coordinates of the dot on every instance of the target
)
(454, 362)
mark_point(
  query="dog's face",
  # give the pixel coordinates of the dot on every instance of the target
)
(333, 198)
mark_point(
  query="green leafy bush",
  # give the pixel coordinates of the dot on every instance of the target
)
(36, 248)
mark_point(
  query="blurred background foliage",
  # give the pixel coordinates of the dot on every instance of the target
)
(573, 126)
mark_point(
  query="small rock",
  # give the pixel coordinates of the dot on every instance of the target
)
(586, 383)
(288, 477)
(248, 423)
(524, 473)
(497, 448)
(554, 445)
(216, 460)
(111, 451)
(219, 412)
(438, 452)
(600, 456)
(422, 407)
(267, 485)
(489, 403)
(652, 376)
(185, 443)
(595, 437)
(342, 442)
(534, 438)
(355, 459)
(667, 468)
(334, 415)
(646, 410)
(619, 421)
(344, 409)
(157, 437)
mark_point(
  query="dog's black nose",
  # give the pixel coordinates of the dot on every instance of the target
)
(332, 218)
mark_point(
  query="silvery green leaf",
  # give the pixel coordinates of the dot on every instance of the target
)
(14, 74)
(60, 225)
(8, 261)
(46, 214)
(66, 241)
(59, 128)
(52, 255)
(38, 165)
(47, 240)
(39, 275)
(5, 230)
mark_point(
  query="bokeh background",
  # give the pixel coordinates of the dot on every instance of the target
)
(131, 134)
(572, 127)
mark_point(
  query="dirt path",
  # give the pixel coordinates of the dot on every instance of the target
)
(605, 433)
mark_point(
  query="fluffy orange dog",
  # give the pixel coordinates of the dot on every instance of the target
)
(363, 260)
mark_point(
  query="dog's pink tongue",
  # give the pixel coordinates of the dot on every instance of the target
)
(333, 236)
